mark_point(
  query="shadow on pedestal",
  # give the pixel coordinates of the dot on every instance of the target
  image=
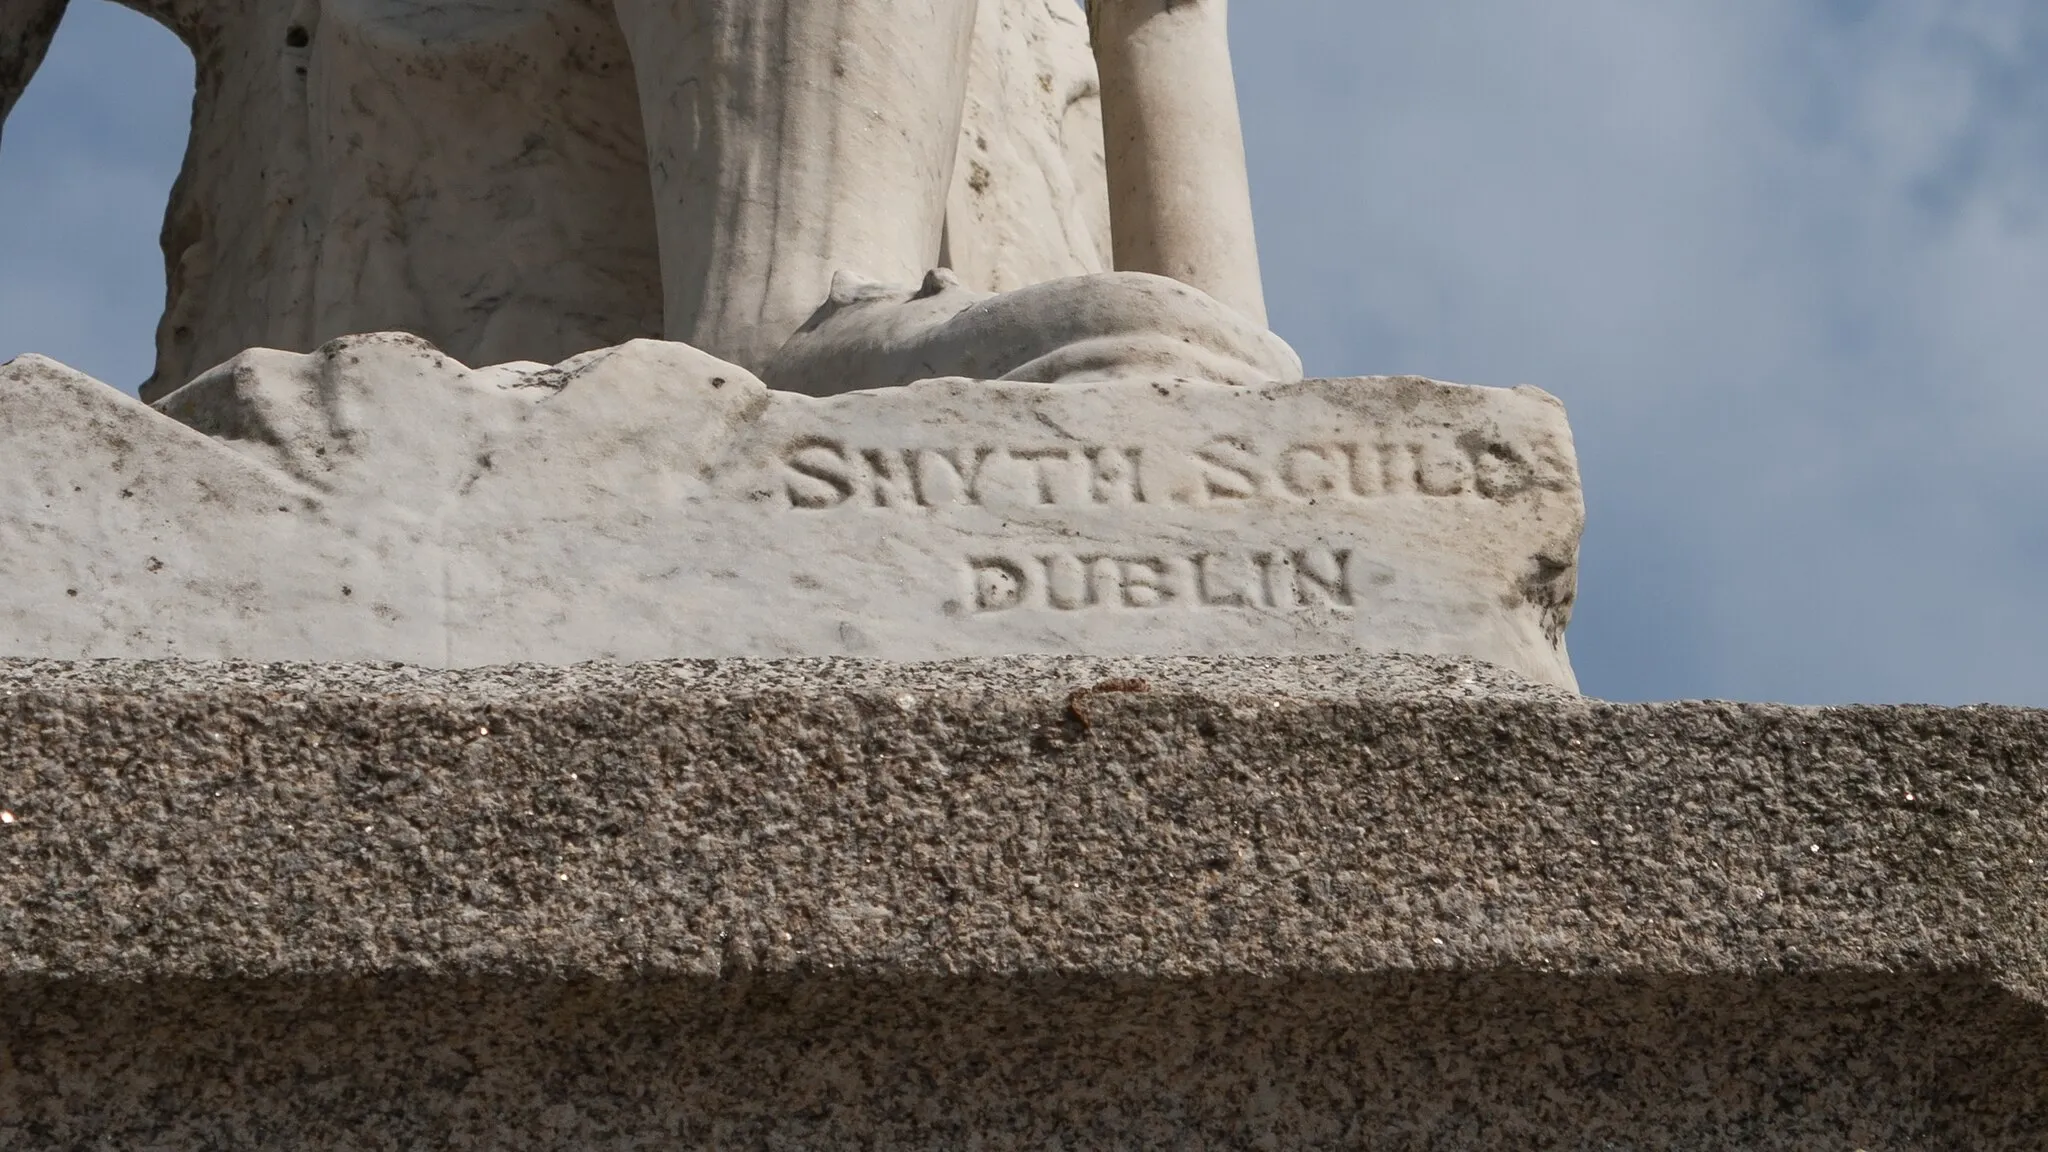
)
(1507, 1060)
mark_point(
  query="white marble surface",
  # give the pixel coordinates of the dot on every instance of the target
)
(1180, 195)
(530, 179)
(1108, 326)
(378, 501)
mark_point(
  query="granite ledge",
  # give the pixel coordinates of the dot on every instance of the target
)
(1176, 820)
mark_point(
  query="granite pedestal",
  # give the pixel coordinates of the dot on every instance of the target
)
(1340, 902)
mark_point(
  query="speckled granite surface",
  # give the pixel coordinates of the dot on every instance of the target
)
(1385, 903)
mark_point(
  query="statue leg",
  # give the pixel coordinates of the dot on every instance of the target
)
(1180, 197)
(788, 140)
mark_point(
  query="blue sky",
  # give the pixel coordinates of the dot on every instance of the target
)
(1785, 260)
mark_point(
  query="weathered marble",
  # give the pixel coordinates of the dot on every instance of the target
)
(1180, 196)
(479, 174)
(1030, 200)
(790, 140)
(1109, 326)
(473, 173)
(376, 500)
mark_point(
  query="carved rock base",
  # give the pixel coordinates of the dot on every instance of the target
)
(377, 500)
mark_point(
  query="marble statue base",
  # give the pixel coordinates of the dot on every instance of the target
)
(376, 500)
(1338, 902)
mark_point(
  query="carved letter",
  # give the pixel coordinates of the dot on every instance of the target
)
(1274, 580)
(1117, 475)
(820, 476)
(1144, 583)
(999, 585)
(1437, 472)
(1205, 587)
(1394, 480)
(1306, 471)
(1071, 582)
(1314, 575)
(1362, 469)
(1555, 471)
(965, 478)
(1499, 472)
(892, 477)
(1232, 470)
(1039, 458)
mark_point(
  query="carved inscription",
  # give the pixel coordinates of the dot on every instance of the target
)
(821, 474)
(1237, 469)
(824, 474)
(1278, 580)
